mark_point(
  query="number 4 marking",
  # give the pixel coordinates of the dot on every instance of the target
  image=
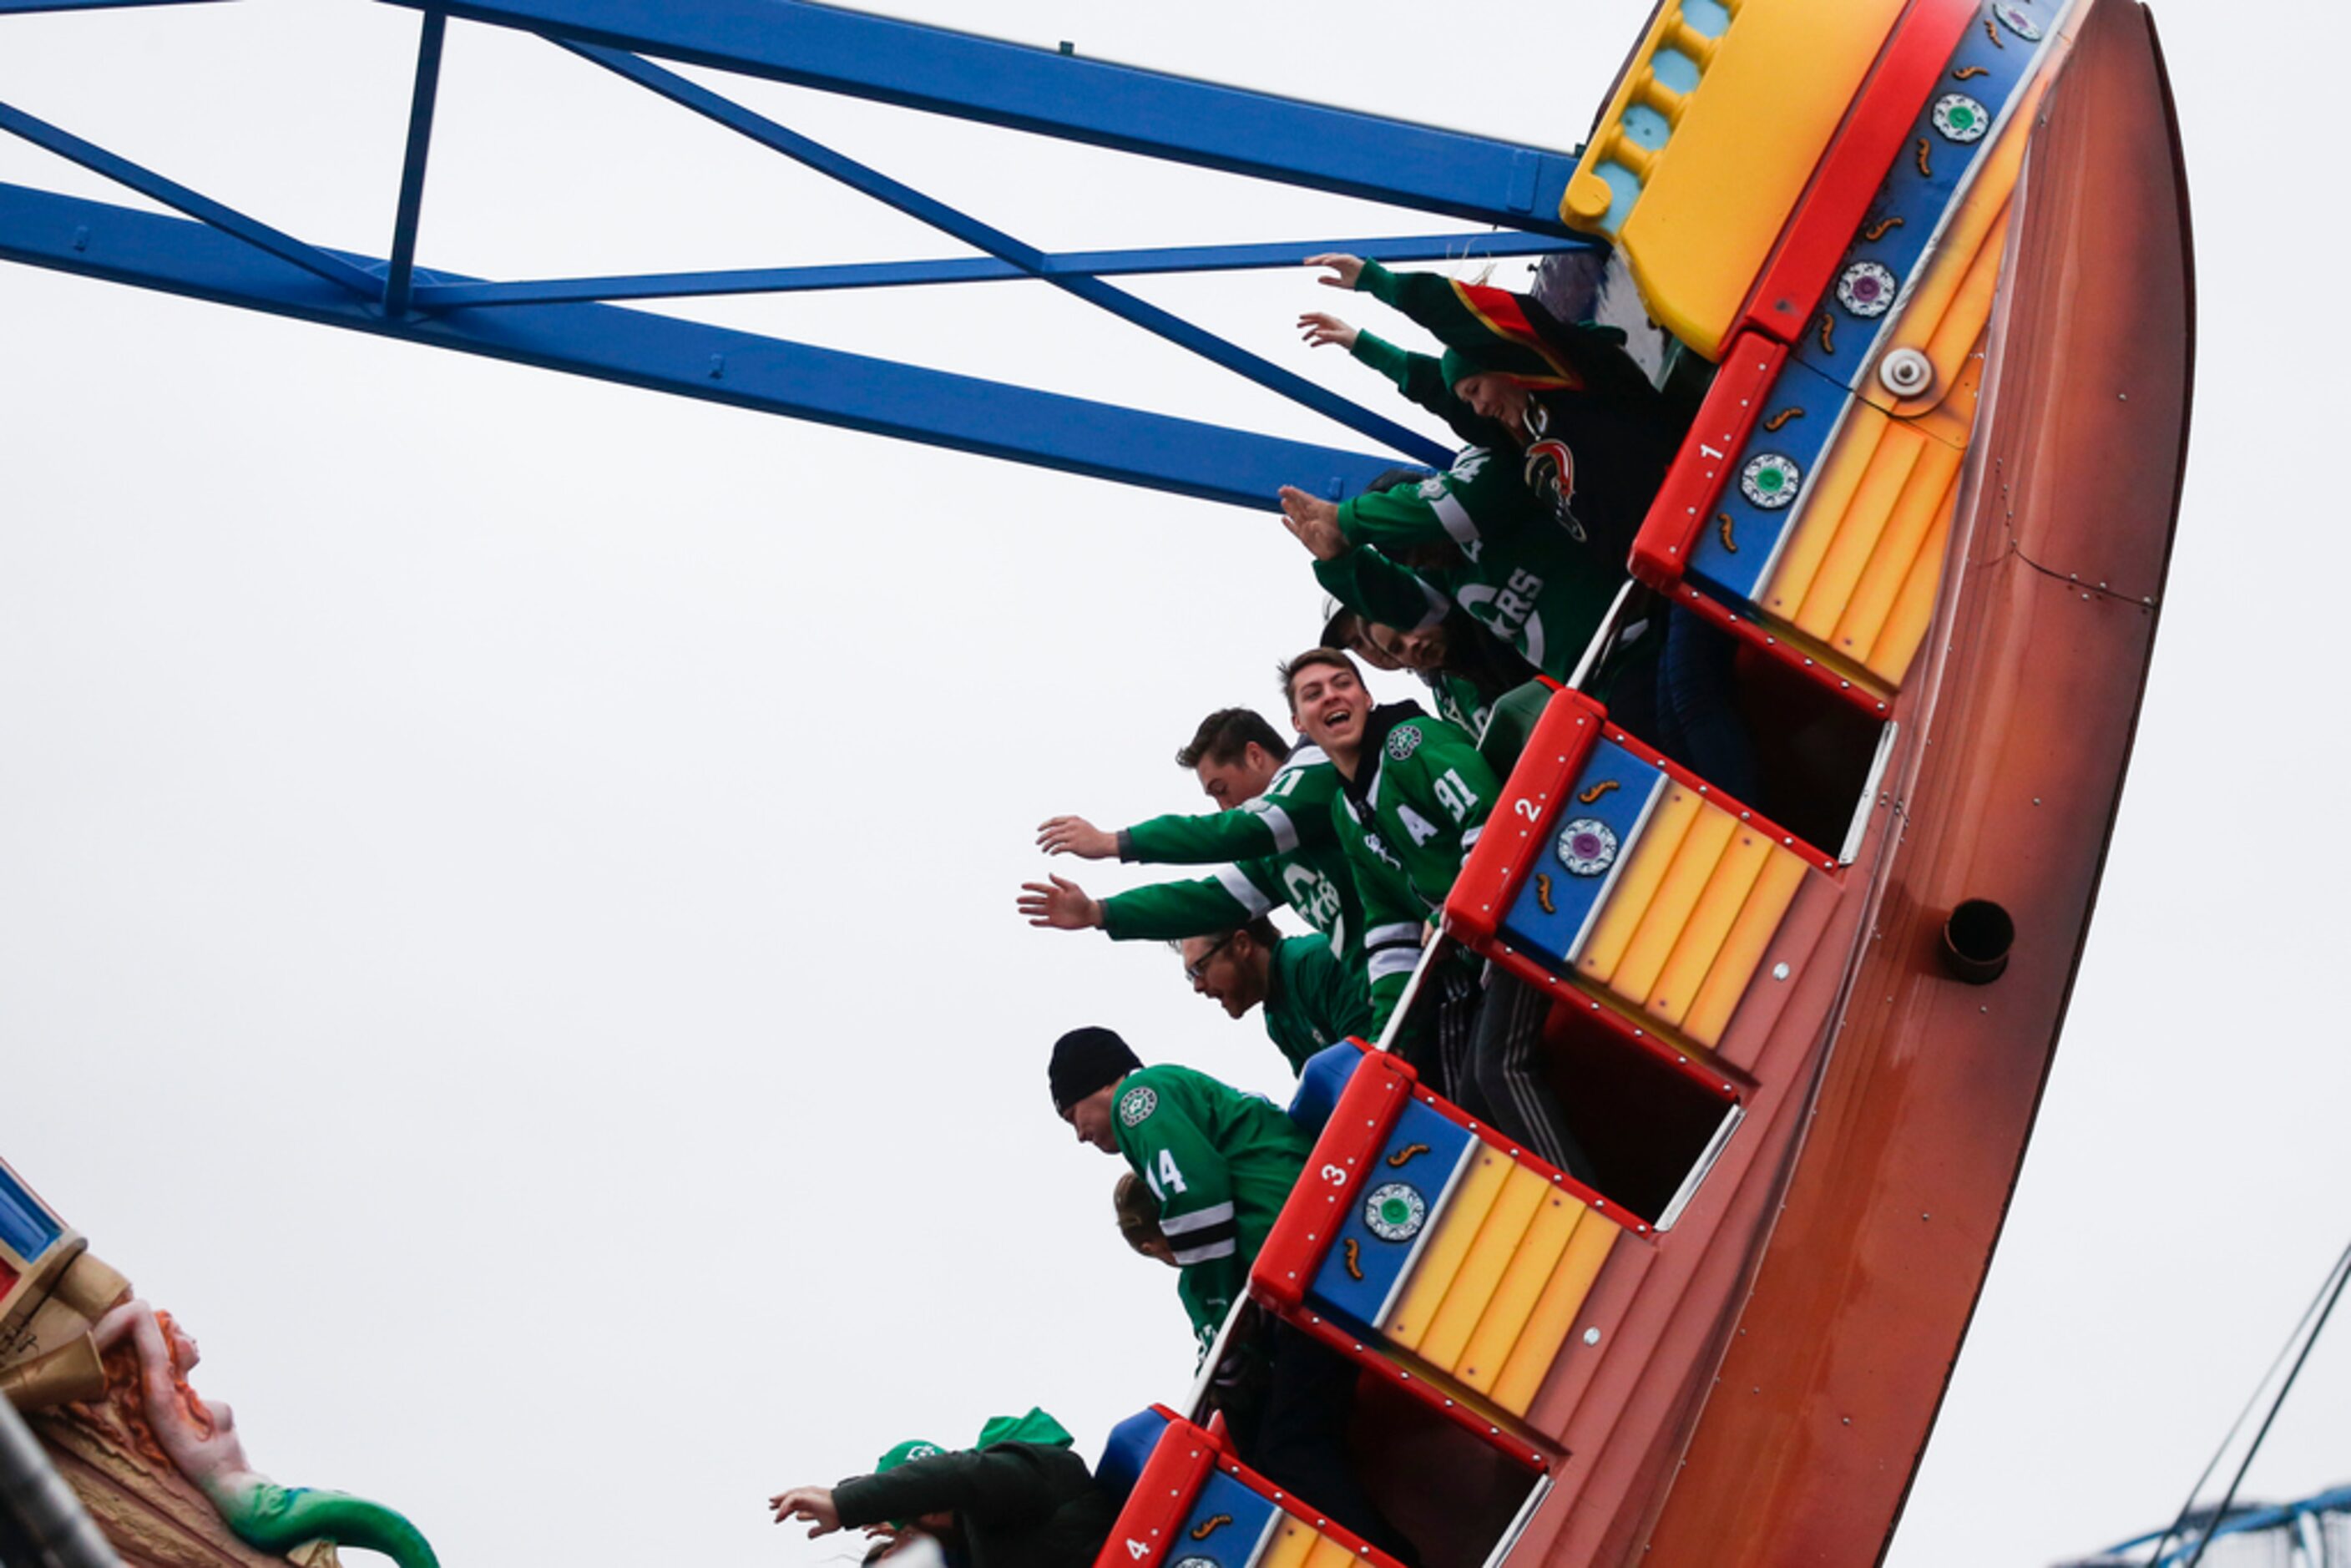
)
(1136, 1550)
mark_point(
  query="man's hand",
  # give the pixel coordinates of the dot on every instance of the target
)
(1313, 522)
(811, 1503)
(1345, 269)
(1320, 326)
(1059, 903)
(1076, 836)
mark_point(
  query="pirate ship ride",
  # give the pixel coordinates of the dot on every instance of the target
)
(1940, 254)
(1928, 260)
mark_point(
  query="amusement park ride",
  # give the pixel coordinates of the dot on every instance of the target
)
(1810, 1028)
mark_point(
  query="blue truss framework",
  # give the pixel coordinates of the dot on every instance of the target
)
(215, 253)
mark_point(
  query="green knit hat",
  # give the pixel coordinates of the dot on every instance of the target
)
(912, 1449)
(1034, 1427)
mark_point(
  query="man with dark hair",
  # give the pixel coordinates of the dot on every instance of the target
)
(1273, 837)
(1021, 1497)
(1221, 1165)
(1309, 998)
(1414, 800)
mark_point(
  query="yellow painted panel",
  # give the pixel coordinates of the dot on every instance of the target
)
(1752, 932)
(1831, 492)
(1906, 625)
(1745, 142)
(1531, 1268)
(1670, 911)
(1952, 421)
(1456, 1229)
(1955, 337)
(1482, 1270)
(1554, 1315)
(1637, 882)
(1293, 1541)
(1929, 498)
(1327, 1552)
(1702, 933)
(1865, 521)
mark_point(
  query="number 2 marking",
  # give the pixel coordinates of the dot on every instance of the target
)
(1527, 809)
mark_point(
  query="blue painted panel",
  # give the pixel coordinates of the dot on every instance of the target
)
(662, 354)
(1790, 456)
(1612, 813)
(24, 1227)
(1381, 1257)
(1324, 1078)
(1071, 97)
(1128, 1449)
(1228, 1546)
(1950, 136)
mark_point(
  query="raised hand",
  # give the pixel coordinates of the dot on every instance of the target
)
(1313, 522)
(1059, 904)
(1345, 269)
(811, 1503)
(1319, 328)
(1076, 836)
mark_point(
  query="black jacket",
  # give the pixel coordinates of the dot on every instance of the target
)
(1019, 1505)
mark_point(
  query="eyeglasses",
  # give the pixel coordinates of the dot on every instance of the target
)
(1199, 966)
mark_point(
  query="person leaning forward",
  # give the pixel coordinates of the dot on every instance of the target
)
(1221, 1165)
(1020, 1499)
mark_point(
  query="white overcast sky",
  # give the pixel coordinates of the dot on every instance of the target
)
(505, 882)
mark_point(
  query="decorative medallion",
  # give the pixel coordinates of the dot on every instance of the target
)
(1587, 846)
(1395, 1212)
(1136, 1103)
(1771, 481)
(1403, 743)
(1867, 289)
(1960, 118)
(2014, 19)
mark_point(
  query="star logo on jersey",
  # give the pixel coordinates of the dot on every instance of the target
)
(1136, 1104)
(1395, 1212)
(1403, 743)
(925, 1451)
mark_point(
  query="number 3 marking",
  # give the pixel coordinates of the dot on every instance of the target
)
(1335, 1174)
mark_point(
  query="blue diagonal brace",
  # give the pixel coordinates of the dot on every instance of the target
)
(31, 7)
(996, 243)
(662, 354)
(398, 276)
(987, 269)
(1072, 98)
(228, 220)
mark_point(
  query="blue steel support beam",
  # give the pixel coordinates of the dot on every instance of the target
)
(178, 197)
(1077, 100)
(996, 243)
(986, 269)
(32, 7)
(396, 280)
(966, 413)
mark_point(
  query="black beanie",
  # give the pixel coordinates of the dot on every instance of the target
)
(1085, 1059)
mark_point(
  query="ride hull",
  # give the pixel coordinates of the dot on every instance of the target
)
(1778, 1409)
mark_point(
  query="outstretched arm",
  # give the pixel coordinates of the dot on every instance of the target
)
(1059, 904)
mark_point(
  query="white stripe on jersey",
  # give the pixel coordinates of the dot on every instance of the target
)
(1407, 931)
(1456, 519)
(1245, 892)
(1285, 835)
(1181, 1224)
(1471, 837)
(1304, 756)
(1208, 1254)
(1382, 962)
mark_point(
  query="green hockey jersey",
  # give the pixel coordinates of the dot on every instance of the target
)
(1283, 849)
(1221, 1163)
(1312, 1001)
(1416, 807)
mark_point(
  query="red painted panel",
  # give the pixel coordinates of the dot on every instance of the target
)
(1749, 365)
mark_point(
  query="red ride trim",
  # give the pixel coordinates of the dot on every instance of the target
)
(1301, 1233)
(1685, 502)
(1569, 727)
(1155, 1509)
(1838, 199)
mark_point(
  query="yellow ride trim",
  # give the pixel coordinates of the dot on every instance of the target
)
(1708, 925)
(1758, 923)
(1293, 1541)
(1554, 1315)
(1482, 1268)
(1612, 933)
(1442, 1256)
(1532, 1267)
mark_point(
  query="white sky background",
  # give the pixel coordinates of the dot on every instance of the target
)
(505, 882)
